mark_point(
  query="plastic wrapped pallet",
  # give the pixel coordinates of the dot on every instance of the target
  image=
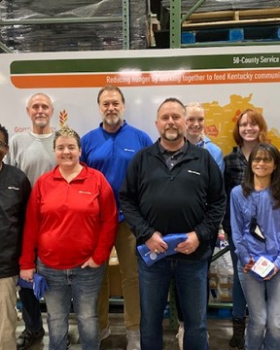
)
(71, 36)
(221, 277)
(224, 5)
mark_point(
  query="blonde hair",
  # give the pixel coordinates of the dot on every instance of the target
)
(196, 105)
(67, 132)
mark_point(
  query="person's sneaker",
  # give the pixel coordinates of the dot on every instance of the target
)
(238, 339)
(27, 338)
(68, 345)
(133, 340)
(180, 335)
(104, 333)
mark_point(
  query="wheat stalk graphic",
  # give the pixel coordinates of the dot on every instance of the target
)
(63, 117)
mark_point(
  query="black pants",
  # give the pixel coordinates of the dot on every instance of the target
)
(31, 312)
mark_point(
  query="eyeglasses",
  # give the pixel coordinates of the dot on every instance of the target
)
(264, 159)
(3, 144)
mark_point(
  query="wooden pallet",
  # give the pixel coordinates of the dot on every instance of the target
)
(221, 311)
(234, 34)
(232, 18)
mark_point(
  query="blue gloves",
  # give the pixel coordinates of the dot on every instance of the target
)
(39, 285)
(172, 240)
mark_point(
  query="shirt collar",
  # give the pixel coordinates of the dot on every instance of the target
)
(182, 149)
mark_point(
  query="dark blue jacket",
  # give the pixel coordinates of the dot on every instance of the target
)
(189, 197)
(14, 192)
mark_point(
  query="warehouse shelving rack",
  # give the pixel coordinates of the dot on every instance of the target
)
(178, 22)
(124, 19)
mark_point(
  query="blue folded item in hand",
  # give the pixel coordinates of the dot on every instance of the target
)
(172, 240)
(39, 285)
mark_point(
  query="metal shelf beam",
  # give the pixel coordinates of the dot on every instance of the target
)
(176, 21)
(230, 43)
(5, 48)
(175, 24)
(125, 19)
(65, 20)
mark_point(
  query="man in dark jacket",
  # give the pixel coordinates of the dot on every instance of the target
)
(173, 187)
(14, 192)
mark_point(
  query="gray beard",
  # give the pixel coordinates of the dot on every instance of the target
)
(171, 138)
(112, 122)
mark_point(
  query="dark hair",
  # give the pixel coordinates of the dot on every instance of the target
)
(110, 88)
(172, 99)
(248, 184)
(255, 117)
(67, 132)
(5, 133)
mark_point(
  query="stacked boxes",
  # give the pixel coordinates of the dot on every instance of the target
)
(221, 278)
(224, 284)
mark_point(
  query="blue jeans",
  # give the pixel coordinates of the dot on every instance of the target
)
(191, 283)
(239, 301)
(263, 299)
(82, 287)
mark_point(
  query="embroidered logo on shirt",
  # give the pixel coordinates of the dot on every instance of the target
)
(129, 150)
(13, 188)
(193, 172)
(84, 192)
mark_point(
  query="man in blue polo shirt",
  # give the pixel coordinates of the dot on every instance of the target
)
(110, 148)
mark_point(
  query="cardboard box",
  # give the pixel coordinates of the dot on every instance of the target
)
(224, 292)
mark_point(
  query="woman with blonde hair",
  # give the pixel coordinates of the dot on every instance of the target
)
(70, 228)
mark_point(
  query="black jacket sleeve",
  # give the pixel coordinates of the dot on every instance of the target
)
(129, 195)
(215, 206)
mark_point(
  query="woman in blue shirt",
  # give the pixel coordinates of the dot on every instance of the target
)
(255, 222)
(250, 129)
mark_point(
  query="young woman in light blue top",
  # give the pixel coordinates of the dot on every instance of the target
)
(195, 132)
(255, 222)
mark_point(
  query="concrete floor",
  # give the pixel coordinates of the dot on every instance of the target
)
(219, 330)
